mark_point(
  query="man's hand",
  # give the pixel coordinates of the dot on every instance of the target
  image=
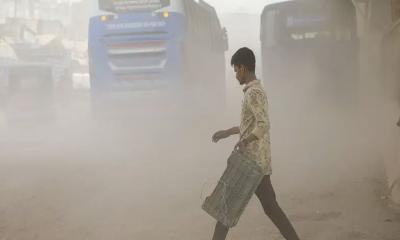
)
(225, 133)
(220, 135)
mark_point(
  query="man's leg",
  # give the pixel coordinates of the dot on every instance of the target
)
(220, 232)
(266, 194)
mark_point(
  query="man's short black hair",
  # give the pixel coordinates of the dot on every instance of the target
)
(244, 57)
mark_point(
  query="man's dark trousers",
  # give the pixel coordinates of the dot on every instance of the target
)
(266, 194)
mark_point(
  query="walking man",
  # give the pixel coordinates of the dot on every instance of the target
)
(254, 141)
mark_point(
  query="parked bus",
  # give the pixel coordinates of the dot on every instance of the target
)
(153, 44)
(305, 39)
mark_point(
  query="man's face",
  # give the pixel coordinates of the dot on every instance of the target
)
(240, 74)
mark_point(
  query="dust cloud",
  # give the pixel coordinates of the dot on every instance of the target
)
(139, 166)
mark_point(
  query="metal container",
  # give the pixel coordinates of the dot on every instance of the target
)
(234, 189)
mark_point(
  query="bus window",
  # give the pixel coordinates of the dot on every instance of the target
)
(298, 34)
(269, 32)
